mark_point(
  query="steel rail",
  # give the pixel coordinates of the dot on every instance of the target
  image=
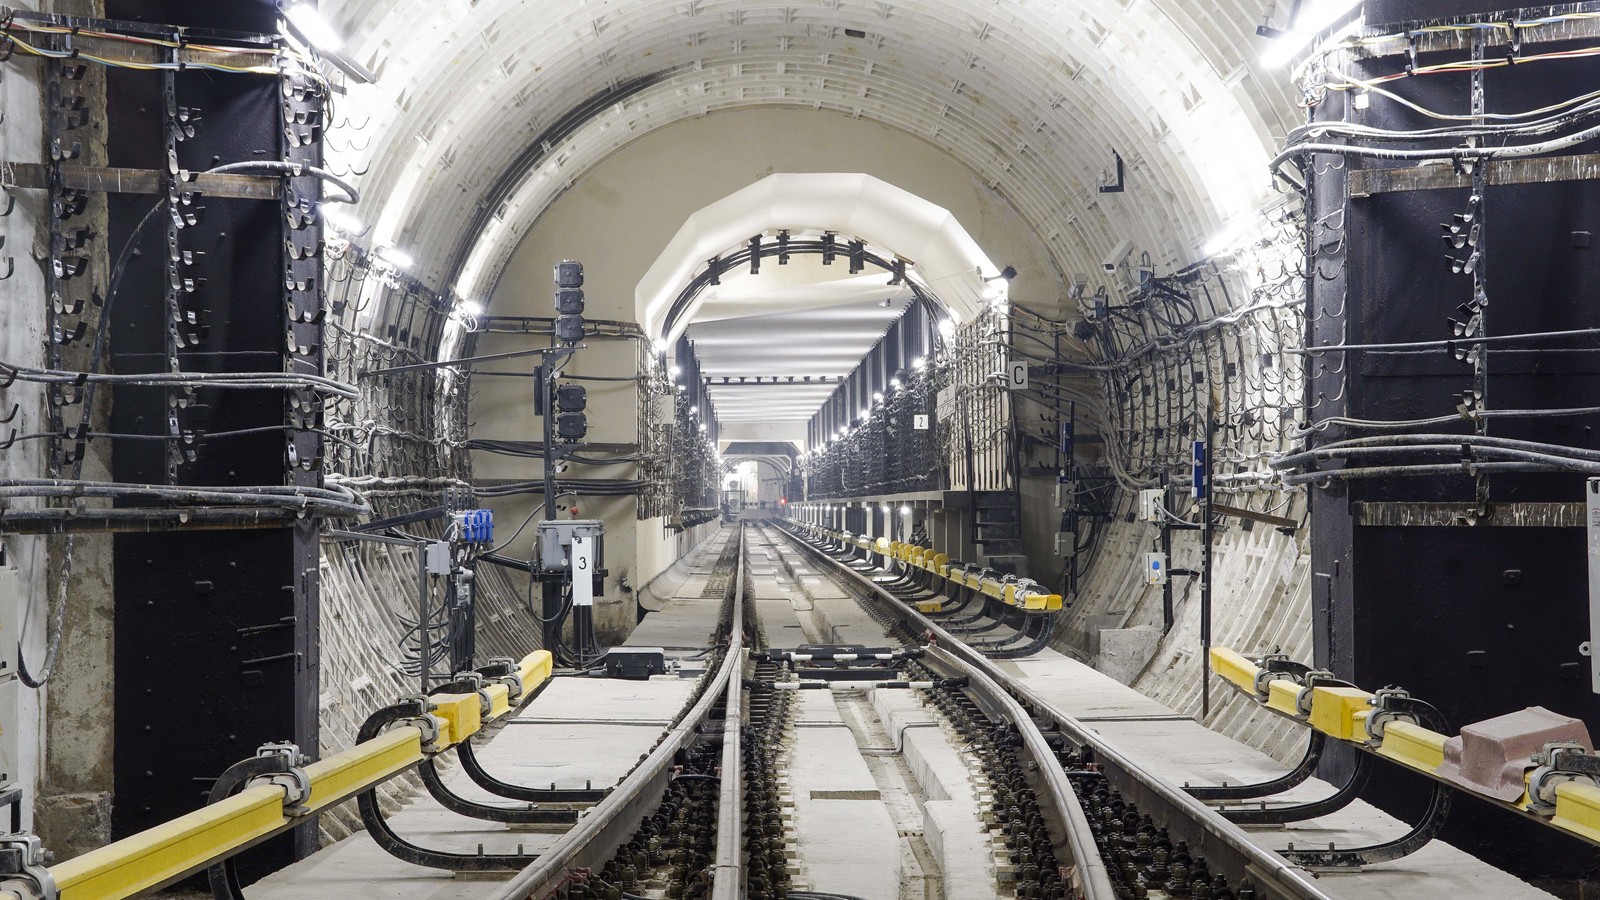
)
(1280, 877)
(1094, 881)
(609, 823)
(727, 872)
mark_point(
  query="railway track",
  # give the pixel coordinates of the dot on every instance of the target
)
(710, 813)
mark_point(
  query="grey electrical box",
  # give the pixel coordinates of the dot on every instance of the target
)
(555, 542)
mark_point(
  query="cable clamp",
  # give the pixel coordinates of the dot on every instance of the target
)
(293, 779)
(1312, 678)
(1275, 666)
(1389, 705)
(1559, 763)
(423, 721)
(24, 867)
(512, 679)
(477, 681)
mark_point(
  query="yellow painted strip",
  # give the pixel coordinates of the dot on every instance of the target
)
(343, 775)
(1041, 602)
(1283, 695)
(1578, 810)
(1234, 668)
(931, 606)
(535, 669)
(499, 700)
(462, 715)
(990, 588)
(1412, 745)
(1334, 709)
(940, 561)
(154, 857)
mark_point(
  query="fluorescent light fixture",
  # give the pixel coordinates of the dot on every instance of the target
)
(992, 292)
(396, 257)
(675, 371)
(472, 307)
(877, 395)
(1314, 17)
(660, 345)
(947, 327)
(310, 23)
(905, 510)
(919, 363)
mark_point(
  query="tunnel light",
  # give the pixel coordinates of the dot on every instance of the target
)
(675, 371)
(694, 410)
(660, 345)
(877, 395)
(894, 382)
(702, 427)
(396, 257)
(313, 27)
(919, 363)
(947, 327)
(905, 510)
(340, 220)
(1231, 236)
(472, 307)
(1313, 18)
(866, 412)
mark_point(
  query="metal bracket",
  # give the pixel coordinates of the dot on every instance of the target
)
(512, 679)
(1388, 705)
(24, 865)
(1311, 680)
(1276, 665)
(423, 720)
(1559, 763)
(293, 779)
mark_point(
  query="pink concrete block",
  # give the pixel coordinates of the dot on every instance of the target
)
(1493, 756)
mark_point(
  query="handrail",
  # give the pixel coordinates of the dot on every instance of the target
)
(609, 823)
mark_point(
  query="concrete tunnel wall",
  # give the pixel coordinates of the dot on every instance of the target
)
(616, 218)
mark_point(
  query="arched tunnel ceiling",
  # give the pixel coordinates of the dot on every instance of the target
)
(1032, 95)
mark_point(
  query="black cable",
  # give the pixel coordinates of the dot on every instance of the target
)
(58, 616)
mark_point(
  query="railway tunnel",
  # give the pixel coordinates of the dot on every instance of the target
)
(812, 449)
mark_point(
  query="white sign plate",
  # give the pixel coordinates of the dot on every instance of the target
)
(1017, 374)
(582, 571)
(920, 422)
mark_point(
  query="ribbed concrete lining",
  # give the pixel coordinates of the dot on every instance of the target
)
(948, 261)
(1033, 97)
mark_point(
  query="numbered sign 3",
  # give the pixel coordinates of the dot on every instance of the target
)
(582, 571)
